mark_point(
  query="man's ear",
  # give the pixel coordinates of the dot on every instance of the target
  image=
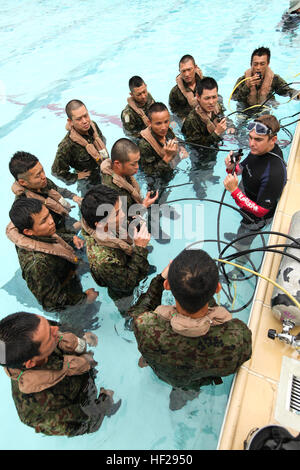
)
(30, 363)
(166, 285)
(22, 182)
(28, 231)
(219, 287)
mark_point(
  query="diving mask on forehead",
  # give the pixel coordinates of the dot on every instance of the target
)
(259, 128)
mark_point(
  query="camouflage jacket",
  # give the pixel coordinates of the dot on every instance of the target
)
(113, 268)
(151, 163)
(58, 219)
(186, 362)
(72, 155)
(279, 86)
(57, 410)
(107, 180)
(133, 124)
(178, 103)
(195, 130)
(51, 279)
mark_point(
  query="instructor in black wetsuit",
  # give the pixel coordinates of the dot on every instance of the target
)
(263, 179)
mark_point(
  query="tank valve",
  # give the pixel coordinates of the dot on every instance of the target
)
(285, 335)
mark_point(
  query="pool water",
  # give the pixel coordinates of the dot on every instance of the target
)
(54, 51)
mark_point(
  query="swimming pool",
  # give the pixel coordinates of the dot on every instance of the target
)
(57, 50)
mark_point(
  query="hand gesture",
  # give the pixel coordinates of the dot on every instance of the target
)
(141, 237)
(150, 200)
(170, 149)
(221, 127)
(231, 182)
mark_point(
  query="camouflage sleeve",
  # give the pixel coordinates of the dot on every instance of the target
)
(42, 280)
(61, 165)
(119, 273)
(150, 299)
(242, 91)
(195, 132)
(150, 161)
(178, 103)
(63, 191)
(131, 126)
(281, 87)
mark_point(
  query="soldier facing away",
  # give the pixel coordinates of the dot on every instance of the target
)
(52, 376)
(200, 344)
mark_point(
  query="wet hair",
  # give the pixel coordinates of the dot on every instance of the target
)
(207, 83)
(72, 106)
(261, 51)
(193, 277)
(156, 108)
(21, 212)
(93, 199)
(20, 163)
(16, 331)
(135, 82)
(121, 149)
(186, 58)
(271, 122)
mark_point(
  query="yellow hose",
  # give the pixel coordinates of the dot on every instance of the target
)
(263, 277)
(244, 79)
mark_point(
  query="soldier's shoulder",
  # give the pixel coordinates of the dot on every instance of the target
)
(174, 90)
(65, 142)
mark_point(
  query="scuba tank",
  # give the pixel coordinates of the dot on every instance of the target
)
(288, 277)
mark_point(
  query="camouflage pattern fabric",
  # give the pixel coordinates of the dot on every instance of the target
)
(177, 101)
(60, 220)
(51, 279)
(187, 363)
(113, 268)
(278, 86)
(195, 130)
(72, 155)
(133, 124)
(107, 180)
(151, 163)
(59, 410)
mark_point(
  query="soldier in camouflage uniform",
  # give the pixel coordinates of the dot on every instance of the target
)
(182, 98)
(83, 149)
(118, 173)
(259, 83)
(206, 123)
(31, 181)
(48, 261)
(116, 260)
(134, 116)
(199, 344)
(52, 377)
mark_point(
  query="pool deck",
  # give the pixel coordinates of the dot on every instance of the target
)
(254, 392)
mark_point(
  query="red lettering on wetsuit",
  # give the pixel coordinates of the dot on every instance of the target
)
(245, 203)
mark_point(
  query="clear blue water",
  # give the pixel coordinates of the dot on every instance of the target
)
(53, 51)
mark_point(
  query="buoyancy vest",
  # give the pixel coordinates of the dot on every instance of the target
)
(96, 150)
(139, 111)
(58, 248)
(132, 187)
(33, 381)
(147, 135)
(258, 96)
(108, 239)
(210, 125)
(188, 94)
(54, 202)
(193, 327)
